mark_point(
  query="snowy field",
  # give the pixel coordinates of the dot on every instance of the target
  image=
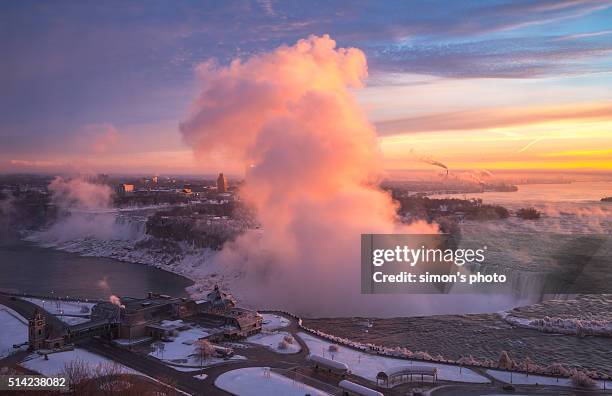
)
(58, 361)
(182, 346)
(182, 350)
(14, 330)
(271, 341)
(253, 381)
(61, 308)
(524, 379)
(273, 322)
(367, 365)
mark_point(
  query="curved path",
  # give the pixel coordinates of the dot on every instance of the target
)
(260, 356)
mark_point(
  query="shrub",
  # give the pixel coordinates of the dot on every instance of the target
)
(504, 361)
(582, 380)
(283, 345)
(422, 355)
(557, 369)
(288, 339)
(528, 214)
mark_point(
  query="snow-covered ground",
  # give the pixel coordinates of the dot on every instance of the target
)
(273, 322)
(195, 264)
(14, 330)
(182, 349)
(256, 381)
(368, 365)
(524, 379)
(58, 361)
(126, 342)
(271, 341)
(62, 308)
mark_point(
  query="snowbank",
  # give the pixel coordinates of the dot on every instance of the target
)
(272, 340)
(256, 381)
(524, 379)
(367, 365)
(58, 361)
(569, 326)
(273, 322)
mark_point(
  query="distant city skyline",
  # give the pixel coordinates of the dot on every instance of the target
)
(506, 86)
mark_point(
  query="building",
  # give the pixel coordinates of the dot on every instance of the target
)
(221, 183)
(37, 331)
(332, 366)
(144, 317)
(155, 316)
(40, 336)
(220, 310)
(398, 375)
(135, 315)
(124, 189)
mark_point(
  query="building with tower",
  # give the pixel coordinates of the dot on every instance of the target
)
(221, 183)
(40, 335)
(37, 331)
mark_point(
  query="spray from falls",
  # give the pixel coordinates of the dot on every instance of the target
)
(84, 210)
(313, 162)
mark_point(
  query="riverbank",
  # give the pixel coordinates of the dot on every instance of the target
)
(70, 274)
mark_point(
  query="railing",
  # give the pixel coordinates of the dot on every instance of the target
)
(52, 297)
(384, 351)
(303, 379)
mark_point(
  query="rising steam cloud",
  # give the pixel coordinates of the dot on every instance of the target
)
(84, 210)
(289, 115)
(79, 194)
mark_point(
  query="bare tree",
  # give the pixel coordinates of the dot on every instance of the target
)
(205, 350)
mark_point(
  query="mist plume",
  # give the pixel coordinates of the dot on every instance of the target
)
(289, 116)
(83, 211)
(79, 194)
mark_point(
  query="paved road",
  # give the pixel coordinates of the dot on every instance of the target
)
(257, 356)
(153, 368)
(26, 309)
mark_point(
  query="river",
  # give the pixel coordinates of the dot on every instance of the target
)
(28, 268)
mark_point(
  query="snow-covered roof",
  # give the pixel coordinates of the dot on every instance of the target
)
(219, 298)
(333, 364)
(358, 389)
(403, 370)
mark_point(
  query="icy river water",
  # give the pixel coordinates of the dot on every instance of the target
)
(28, 268)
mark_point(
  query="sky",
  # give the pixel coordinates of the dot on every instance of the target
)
(499, 85)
